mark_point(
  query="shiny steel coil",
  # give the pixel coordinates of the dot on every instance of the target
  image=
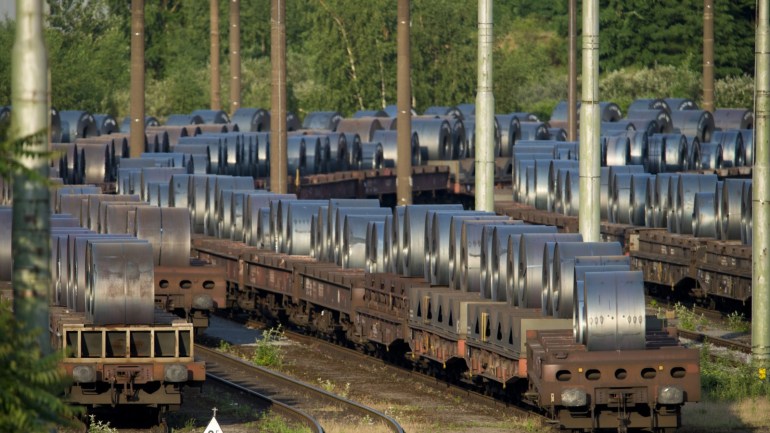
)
(572, 193)
(554, 199)
(282, 223)
(604, 192)
(614, 311)
(105, 124)
(581, 269)
(6, 258)
(76, 124)
(214, 185)
(530, 192)
(559, 204)
(456, 243)
(370, 113)
(66, 191)
(413, 254)
(472, 248)
(620, 202)
(213, 146)
(675, 153)
(369, 156)
(230, 213)
(660, 116)
(322, 120)
(660, 190)
(639, 196)
(689, 185)
(525, 117)
(558, 134)
(692, 162)
(679, 104)
(609, 201)
(179, 190)
(59, 262)
(312, 158)
(354, 240)
(710, 156)
(672, 221)
(339, 220)
(263, 154)
(430, 244)
(252, 119)
(339, 159)
(733, 118)
(733, 151)
(93, 206)
(541, 183)
(566, 150)
(746, 214)
(121, 287)
(212, 116)
(157, 174)
(459, 141)
(318, 234)
(498, 279)
(617, 150)
(533, 130)
(731, 209)
(509, 133)
(748, 145)
(299, 227)
(96, 157)
(610, 111)
(530, 275)
(435, 135)
(168, 230)
(331, 218)
(376, 256)
(389, 141)
(364, 127)
(263, 239)
(620, 127)
(397, 240)
(196, 200)
(77, 276)
(649, 104)
(654, 160)
(295, 148)
(444, 111)
(487, 258)
(697, 123)
(440, 238)
(118, 217)
(213, 128)
(519, 177)
(183, 119)
(561, 291)
(705, 216)
(292, 122)
(467, 110)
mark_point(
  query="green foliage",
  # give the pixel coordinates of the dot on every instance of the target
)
(270, 422)
(687, 319)
(224, 346)
(14, 151)
(97, 426)
(329, 386)
(30, 383)
(737, 322)
(625, 85)
(723, 379)
(267, 353)
(735, 92)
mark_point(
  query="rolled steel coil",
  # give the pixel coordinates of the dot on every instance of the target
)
(620, 202)
(637, 151)
(212, 116)
(296, 148)
(640, 182)
(76, 273)
(117, 216)
(472, 249)
(692, 160)
(389, 142)
(560, 112)
(610, 111)
(444, 111)
(413, 255)
(509, 133)
(614, 311)
(354, 240)
(672, 221)
(340, 217)
(468, 110)
(213, 146)
(456, 245)
(397, 240)
(731, 209)
(661, 117)
(430, 259)
(230, 215)
(746, 214)
(280, 228)
(604, 192)
(105, 124)
(561, 291)
(733, 118)
(533, 130)
(318, 234)
(541, 183)
(439, 241)
(364, 127)
(263, 154)
(313, 156)
(327, 120)
(519, 177)
(262, 239)
(215, 128)
(680, 104)
(662, 204)
(252, 119)
(560, 204)
(566, 150)
(705, 216)
(487, 267)
(555, 198)
(168, 230)
(710, 156)
(56, 126)
(91, 217)
(77, 124)
(694, 122)
(609, 201)
(617, 150)
(498, 279)
(689, 185)
(331, 218)
(649, 104)
(183, 119)
(618, 127)
(339, 158)
(157, 174)
(59, 262)
(581, 269)
(97, 162)
(121, 287)
(72, 190)
(435, 135)
(197, 201)
(369, 113)
(654, 160)
(675, 153)
(459, 140)
(376, 251)
(179, 190)
(733, 151)
(572, 193)
(299, 226)
(747, 135)
(557, 134)
(6, 257)
(530, 274)
(214, 185)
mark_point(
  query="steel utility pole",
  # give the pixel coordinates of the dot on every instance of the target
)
(235, 55)
(30, 237)
(136, 139)
(485, 113)
(760, 201)
(590, 151)
(278, 148)
(404, 102)
(708, 55)
(572, 76)
(216, 97)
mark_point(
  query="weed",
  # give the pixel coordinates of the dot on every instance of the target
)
(687, 318)
(224, 346)
(737, 322)
(654, 303)
(271, 422)
(96, 426)
(329, 386)
(267, 353)
(725, 380)
(189, 426)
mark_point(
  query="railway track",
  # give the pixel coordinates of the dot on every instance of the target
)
(293, 395)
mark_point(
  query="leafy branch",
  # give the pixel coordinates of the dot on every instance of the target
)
(14, 150)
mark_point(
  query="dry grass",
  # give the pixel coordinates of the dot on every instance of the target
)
(747, 415)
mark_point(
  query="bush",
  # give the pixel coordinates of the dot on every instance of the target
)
(662, 81)
(267, 353)
(734, 92)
